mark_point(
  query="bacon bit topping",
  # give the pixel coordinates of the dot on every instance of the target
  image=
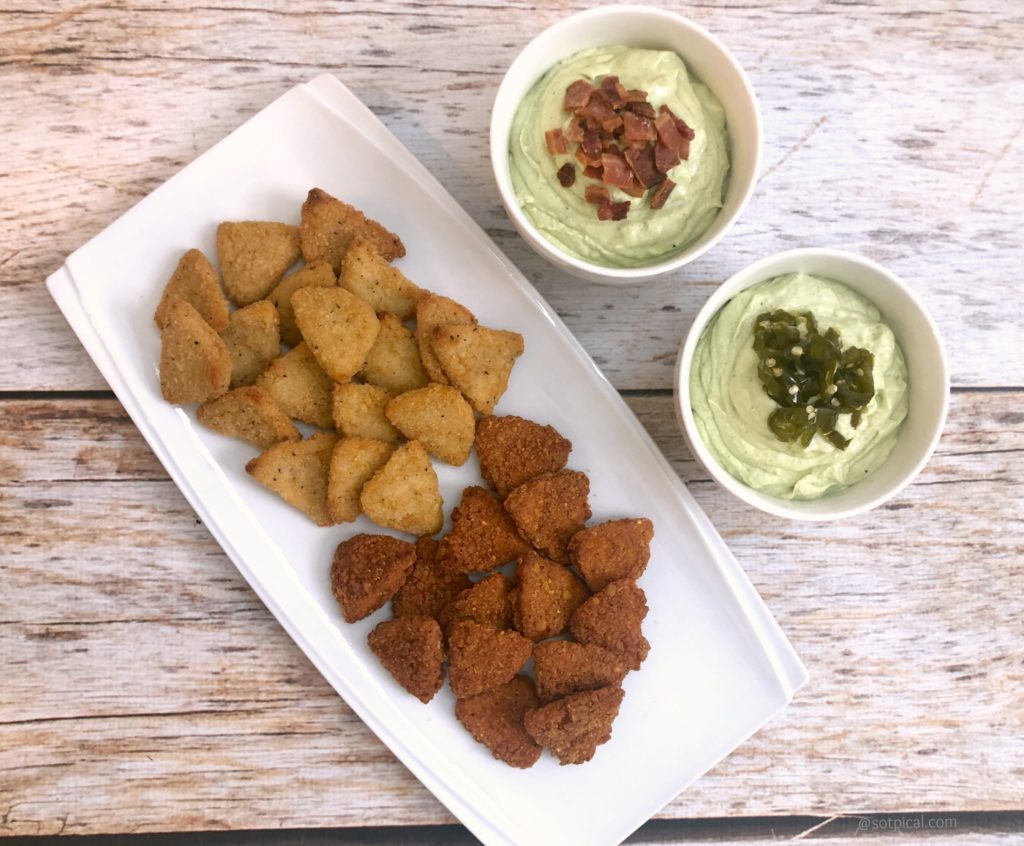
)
(557, 142)
(620, 210)
(665, 158)
(604, 211)
(577, 95)
(658, 200)
(616, 171)
(592, 172)
(643, 165)
(669, 133)
(567, 175)
(596, 194)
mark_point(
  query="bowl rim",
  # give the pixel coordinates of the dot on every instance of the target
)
(500, 169)
(747, 277)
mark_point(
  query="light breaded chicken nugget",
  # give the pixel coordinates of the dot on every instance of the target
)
(297, 384)
(404, 494)
(195, 365)
(393, 361)
(548, 594)
(439, 418)
(482, 537)
(315, 275)
(249, 414)
(411, 650)
(195, 281)
(573, 727)
(562, 667)
(368, 275)
(328, 227)
(338, 327)
(612, 619)
(481, 658)
(353, 464)
(254, 340)
(366, 572)
(429, 588)
(297, 472)
(359, 412)
(254, 255)
(488, 602)
(434, 310)
(478, 361)
(495, 719)
(550, 509)
(617, 549)
(513, 450)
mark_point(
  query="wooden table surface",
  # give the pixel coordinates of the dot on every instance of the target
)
(145, 686)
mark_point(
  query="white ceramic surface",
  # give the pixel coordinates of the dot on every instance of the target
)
(719, 666)
(928, 381)
(635, 26)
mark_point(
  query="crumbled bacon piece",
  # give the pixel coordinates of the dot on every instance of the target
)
(574, 132)
(659, 197)
(604, 211)
(591, 144)
(577, 95)
(616, 171)
(665, 158)
(567, 175)
(644, 109)
(637, 128)
(556, 141)
(620, 210)
(642, 163)
(669, 133)
(592, 172)
(596, 194)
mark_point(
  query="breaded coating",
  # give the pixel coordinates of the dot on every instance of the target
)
(393, 361)
(495, 719)
(253, 338)
(353, 464)
(550, 509)
(366, 572)
(434, 310)
(429, 588)
(488, 602)
(254, 255)
(299, 386)
(548, 594)
(195, 281)
(328, 226)
(439, 418)
(195, 365)
(478, 361)
(359, 412)
(249, 414)
(573, 727)
(297, 472)
(612, 619)
(481, 657)
(607, 552)
(562, 667)
(338, 327)
(411, 650)
(315, 275)
(404, 494)
(513, 451)
(482, 537)
(368, 275)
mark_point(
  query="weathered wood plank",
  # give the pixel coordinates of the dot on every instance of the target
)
(905, 145)
(148, 689)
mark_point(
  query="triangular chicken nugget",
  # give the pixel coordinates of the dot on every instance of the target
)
(481, 657)
(488, 602)
(573, 727)
(297, 472)
(483, 536)
(195, 365)
(328, 226)
(299, 386)
(429, 588)
(316, 275)
(550, 509)
(195, 281)
(612, 619)
(548, 594)
(433, 310)
(249, 414)
(338, 327)
(393, 362)
(254, 340)
(513, 450)
(495, 719)
(477, 361)
(562, 667)
(353, 464)
(254, 255)
(368, 275)
(359, 412)
(366, 572)
(404, 494)
(618, 549)
(411, 650)
(439, 418)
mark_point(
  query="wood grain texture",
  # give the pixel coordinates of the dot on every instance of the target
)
(901, 140)
(148, 689)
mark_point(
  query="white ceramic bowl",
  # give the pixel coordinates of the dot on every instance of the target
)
(634, 26)
(927, 379)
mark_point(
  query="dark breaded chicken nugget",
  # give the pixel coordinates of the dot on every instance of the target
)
(612, 618)
(513, 450)
(618, 549)
(562, 667)
(550, 509)
(495, 719)
(428, 588)
(483, 536)
(367, 571)
(411, 650)
(481, 658)
(548, 594)
(573, 727)
(489, 602)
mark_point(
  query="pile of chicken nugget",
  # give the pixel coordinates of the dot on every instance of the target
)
(393, 376)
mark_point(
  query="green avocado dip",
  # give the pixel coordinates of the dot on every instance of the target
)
(565, 217)
(731, 407)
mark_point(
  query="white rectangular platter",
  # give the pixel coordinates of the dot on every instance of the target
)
(719, 666)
